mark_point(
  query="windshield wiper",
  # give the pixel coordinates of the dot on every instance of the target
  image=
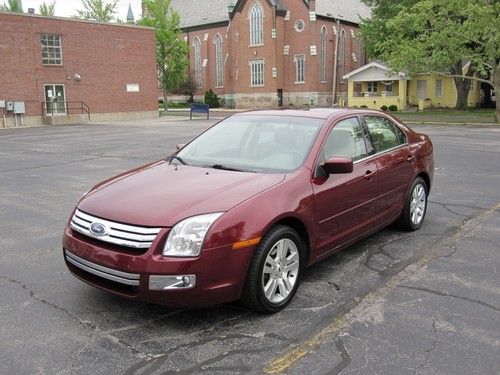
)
(177, 158)
(227, 168)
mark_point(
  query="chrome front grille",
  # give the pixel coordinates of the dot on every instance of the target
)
(121, 277)
(115, 233)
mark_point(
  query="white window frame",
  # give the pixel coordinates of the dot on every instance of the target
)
(372, 86)
(323, 55)
(51, 45)
(198, 73)
(439, 88)
(300, 62)
(219, 62)
(256, 18)
(257, 73)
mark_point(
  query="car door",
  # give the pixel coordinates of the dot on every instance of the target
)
(344, 203)
(394, 164)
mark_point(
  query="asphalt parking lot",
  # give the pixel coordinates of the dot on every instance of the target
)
(426, 302)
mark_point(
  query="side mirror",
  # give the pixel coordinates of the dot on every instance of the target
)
(180, 145)
(338, 164)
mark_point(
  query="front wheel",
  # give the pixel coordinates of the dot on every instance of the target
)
(274, 273)
(415, 208)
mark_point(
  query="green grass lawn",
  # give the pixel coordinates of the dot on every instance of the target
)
(449, 115)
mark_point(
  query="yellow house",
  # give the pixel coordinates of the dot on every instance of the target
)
(374, 86)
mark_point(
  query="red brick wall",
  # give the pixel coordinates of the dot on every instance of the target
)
(236, 43)
(107, 58)
(208, 53)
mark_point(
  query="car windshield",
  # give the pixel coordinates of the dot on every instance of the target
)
(253, 143)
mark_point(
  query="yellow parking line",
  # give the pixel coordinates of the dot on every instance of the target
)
(295, 353)
(286, 360)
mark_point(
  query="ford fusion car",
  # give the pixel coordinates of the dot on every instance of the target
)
(241, 210)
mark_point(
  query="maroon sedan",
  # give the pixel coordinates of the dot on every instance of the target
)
(239, 211)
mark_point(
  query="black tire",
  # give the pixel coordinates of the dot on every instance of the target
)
(253, 296)
(405, 222)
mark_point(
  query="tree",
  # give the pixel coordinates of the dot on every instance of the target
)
(47, 9)
(15, 6)
(97, 10)
(438, 37)
(171, 50)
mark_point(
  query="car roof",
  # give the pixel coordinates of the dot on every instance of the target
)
(320, 113)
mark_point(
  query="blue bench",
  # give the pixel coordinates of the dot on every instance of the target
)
(199, 108)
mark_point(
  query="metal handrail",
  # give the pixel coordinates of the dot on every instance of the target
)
(50, 108)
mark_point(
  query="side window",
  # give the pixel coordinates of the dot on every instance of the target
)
(383, 133)
(346, 139)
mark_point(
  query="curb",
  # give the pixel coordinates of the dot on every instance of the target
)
(434, 123)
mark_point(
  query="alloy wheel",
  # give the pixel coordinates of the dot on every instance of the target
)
(280, 271)
(417, 204)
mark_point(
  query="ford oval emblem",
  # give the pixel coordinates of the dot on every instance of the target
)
(98, 229)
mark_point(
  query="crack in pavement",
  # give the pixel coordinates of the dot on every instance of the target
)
(381, 250)
(345, 358)
(446, 294)
(300, 348)
(445, 206)
(154, 363)
(428, 351)
(203, 366)
(86, 324)
(202, 331)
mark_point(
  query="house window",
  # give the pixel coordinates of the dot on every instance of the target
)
(299, 68)
(256, 25)
(219, 63)
(197, 62)
(422, 89)
(372, 87)
(51, 49)
(341, 55)
(439, 88)
(387, 87)
(299, 25)
(324, 41)
(257, 73)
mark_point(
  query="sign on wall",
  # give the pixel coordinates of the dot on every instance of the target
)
(132, 87)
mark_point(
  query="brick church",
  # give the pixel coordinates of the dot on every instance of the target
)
(271, 53)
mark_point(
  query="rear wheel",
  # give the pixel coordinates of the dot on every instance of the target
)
(415, 208)
(274, 273)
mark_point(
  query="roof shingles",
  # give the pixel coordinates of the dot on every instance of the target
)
(205, 12)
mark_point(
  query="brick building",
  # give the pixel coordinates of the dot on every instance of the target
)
(267, 53)
(60, 68)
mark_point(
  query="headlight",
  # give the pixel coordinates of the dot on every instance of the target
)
(186, 237)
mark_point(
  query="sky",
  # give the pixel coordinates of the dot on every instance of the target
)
(67, 8)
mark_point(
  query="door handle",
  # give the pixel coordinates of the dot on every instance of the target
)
(410, 158)
(368, 175)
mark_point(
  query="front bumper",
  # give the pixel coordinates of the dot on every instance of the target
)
(216, 276)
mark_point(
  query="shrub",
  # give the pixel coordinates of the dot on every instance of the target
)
(211, 99)
(364, 106)
(383, 108)
(393, 108)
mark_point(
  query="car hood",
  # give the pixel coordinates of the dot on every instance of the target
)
(160, 195)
